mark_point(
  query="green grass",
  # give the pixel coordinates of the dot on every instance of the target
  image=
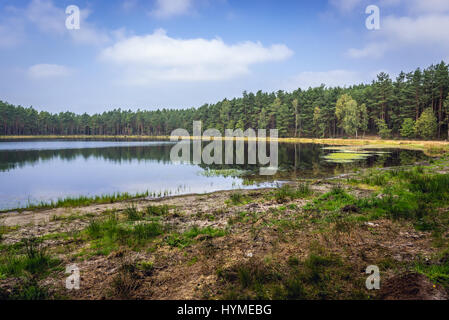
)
(238, 198)
(182, 240)
(72, 202)
(329, 206)
(30, 257)
(414, 194)
(157, 210)
(437, 270)
(125, 282)
(320, 276)
(286, 192)
(132, 213)
(27, 289)
(108, 234)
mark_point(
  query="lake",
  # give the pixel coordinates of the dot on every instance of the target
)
(40, 171)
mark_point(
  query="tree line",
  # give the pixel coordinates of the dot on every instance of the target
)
(414, 105)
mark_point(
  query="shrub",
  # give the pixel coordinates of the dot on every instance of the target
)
(126, 281)
(236, 198)
(408, 128)
(426, 126)
(285, 192)
(384, 131)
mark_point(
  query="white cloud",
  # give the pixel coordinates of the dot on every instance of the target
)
(170, 8)
(45, 71)
(159, 57)
(332, 78)
(406, 32)
(49, 18)
(427, 6)
(88, 34)
(411, 6)
(374, 50)
(432, 28)
(46, 16)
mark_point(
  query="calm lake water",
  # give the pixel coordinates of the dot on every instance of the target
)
(36, 171)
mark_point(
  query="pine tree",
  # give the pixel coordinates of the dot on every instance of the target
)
(442, 83)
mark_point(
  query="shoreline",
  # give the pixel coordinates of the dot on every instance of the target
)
(430, 147)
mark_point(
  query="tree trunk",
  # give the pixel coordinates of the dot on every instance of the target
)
(440, 113)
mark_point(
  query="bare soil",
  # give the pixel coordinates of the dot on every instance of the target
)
(192, 272)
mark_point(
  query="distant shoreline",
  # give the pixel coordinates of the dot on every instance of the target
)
(432, 148)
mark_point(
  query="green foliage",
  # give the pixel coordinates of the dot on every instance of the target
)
(408, 128)
(426, 126)
(384, 131)
(319, 122)
(351, 116)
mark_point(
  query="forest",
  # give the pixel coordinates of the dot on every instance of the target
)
(414, 105)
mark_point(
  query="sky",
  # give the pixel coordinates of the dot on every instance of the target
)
(152, 54)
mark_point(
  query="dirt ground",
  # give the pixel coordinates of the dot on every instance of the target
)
(191, 272)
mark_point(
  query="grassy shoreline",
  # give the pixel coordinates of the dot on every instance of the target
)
(80, 201)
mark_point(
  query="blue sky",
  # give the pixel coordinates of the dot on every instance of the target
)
(152, 54)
